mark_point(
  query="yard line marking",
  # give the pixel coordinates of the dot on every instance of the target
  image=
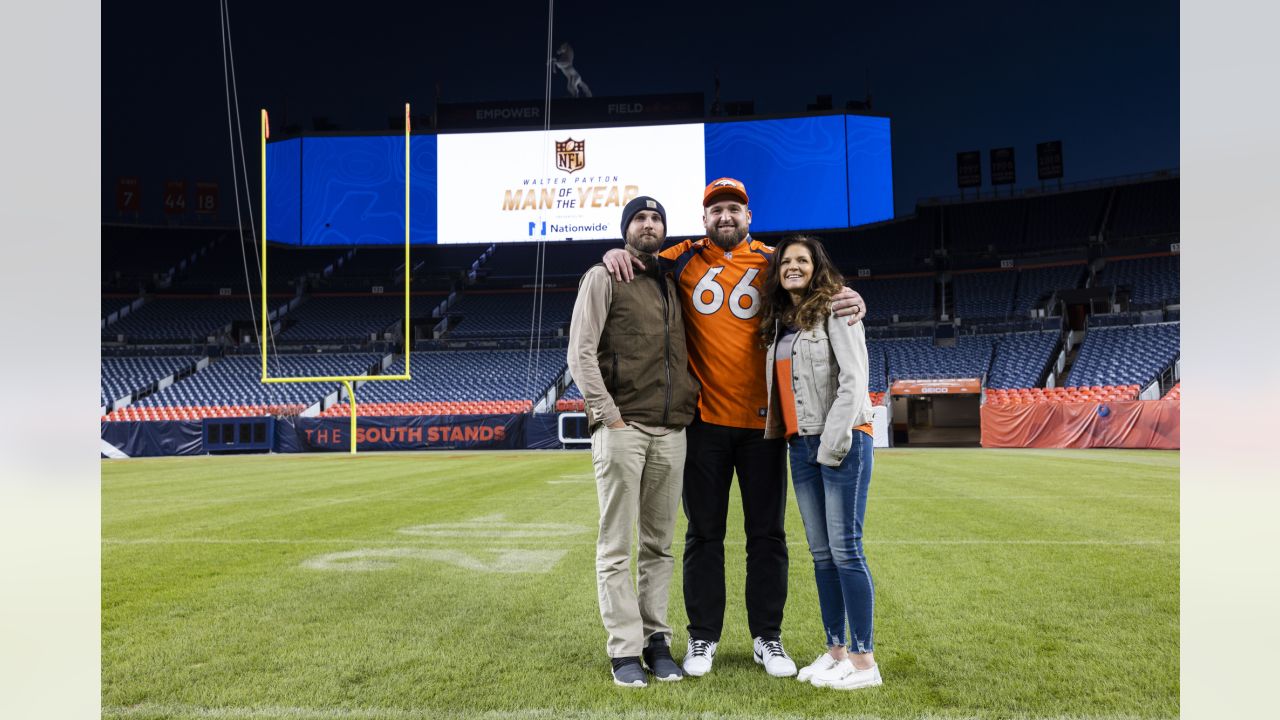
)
(1020, 542)
(579, 479)
(1026, 497)
(270, 712)
(259, 541)
(504, 561)
(493, 527)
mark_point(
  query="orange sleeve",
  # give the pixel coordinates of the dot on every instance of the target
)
(676, 250)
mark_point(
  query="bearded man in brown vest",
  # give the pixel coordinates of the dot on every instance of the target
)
(627, 354)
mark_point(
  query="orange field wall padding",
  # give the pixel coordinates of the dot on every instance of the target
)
(1150, 424)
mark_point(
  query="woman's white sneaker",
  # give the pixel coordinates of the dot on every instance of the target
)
(824, 662)
(837, 671)
(854, 680)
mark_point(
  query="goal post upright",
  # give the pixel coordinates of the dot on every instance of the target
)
(406, 240)
(262, 339)
(347, 381)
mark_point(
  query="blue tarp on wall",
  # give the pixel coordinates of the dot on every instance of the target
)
(155, 438)
(542, 432)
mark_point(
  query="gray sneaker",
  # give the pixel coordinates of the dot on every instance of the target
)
(658, 657)
(628, 672)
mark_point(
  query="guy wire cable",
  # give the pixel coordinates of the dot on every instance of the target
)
(533, 365)
(230, 88)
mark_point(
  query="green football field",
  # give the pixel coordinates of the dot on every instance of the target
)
(1010, 584)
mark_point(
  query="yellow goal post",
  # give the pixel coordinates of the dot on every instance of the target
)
(346, 380)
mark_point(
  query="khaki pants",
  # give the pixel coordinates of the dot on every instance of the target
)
(638, 482)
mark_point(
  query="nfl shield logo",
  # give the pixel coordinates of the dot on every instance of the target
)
(571, 155)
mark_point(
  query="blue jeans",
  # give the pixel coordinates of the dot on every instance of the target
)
(832, 503)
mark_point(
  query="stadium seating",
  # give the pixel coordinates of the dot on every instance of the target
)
(121, 376)
(920, 359)
(164, 319)
(1094, 393)
(342, 318)
(572, 400)
(1064, 219)
(469, 407)
(878, 373)
(1021, 358)
(1126, 355)
(136, 258)
(1034, 284)
(115, 304)
(1152, 281)
(481, 381)
(499, 315)
(910, 298)
(1123, 351)
(895, 246)
(233, 384)
(1145, 209)
(230, 264)
(514, 265)
(984, 226)
(983, 295)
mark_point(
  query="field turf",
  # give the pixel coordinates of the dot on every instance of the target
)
(1009, 584)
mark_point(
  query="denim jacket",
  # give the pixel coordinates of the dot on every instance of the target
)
(829, 374)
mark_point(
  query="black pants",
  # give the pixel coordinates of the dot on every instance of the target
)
(714, 453)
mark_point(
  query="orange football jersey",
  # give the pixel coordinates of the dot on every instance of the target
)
(720, 297)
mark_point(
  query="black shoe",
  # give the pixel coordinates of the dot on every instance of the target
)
(658, 657)
(628, 672)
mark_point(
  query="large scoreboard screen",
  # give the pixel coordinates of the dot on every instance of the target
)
(807, 173)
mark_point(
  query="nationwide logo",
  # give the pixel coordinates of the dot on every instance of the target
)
(571, 155)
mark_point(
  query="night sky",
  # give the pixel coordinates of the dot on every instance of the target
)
(1101, 77)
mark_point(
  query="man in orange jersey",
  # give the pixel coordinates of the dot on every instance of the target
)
(720, 277)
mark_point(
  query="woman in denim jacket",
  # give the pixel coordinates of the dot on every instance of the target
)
(817, 375)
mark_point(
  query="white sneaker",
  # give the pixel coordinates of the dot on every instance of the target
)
(851, 679)
(824, 662)
(775, 660)
(834, 672)
(698, 659)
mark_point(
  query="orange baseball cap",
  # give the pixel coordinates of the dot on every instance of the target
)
(724, 186)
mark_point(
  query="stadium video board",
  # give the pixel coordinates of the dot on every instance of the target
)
(805, 173)
(566, 184)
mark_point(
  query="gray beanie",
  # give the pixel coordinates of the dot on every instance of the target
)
(644, 202)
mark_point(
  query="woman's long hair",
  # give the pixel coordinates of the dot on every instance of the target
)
(776, 304)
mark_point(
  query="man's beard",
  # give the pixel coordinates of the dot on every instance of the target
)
(647, 244)
(728, 237)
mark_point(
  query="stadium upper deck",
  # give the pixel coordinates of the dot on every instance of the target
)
(991, 269)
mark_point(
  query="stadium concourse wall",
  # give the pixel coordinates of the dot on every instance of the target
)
(301, 434)
(1145, 424)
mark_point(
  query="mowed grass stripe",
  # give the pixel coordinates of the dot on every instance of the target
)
(1023, 607)
(265, 487)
